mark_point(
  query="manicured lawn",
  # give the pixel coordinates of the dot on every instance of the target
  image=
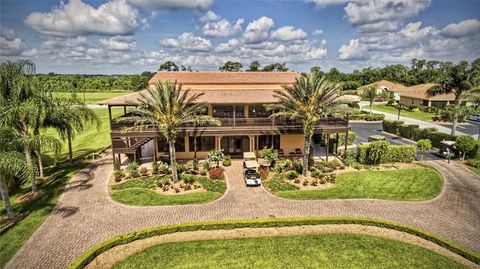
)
(135, 192)
(87, 142)
(474, 169)
(420, 115)
(414, 184)
(312, 251)
(94, 97)
(37, 210)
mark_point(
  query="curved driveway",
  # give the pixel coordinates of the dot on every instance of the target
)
(86, 216)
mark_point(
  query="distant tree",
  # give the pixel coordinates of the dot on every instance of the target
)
(254, 66)
(316, 70)
(460, 80)
(424, 145)
(168, 66)
(275, 67)
(231, 67)
(370, 94)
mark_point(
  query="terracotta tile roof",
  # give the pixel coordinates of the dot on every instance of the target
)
(225, 77)
(391, 86)
(420, 92)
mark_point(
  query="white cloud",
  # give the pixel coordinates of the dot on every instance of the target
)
(229, 46)
(12, 45)
(258, 30)
(119, 43)
(288, 33)
(222, 27)
(317, 53)
(355, 50)
(461, 29)
(210, 16)
(317, 32)
(188, 42)
(78, 18)
(171, 4)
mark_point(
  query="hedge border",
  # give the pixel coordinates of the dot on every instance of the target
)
(88, 256)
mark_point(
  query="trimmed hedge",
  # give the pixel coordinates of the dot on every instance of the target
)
(420, 133)
(437, 137)
(395, 154)
(391, 126)
(89, 255)
(407, 130)
(367, 117)
(341, 140)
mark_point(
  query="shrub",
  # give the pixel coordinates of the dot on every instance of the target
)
(341, 138)
(407, 130)
(377, 150)
(400, 154)
(132, 169)
(118, 175)
(332, 178)
(362, 153)
(195, 164)
(181, 168)
(395, 153)
(367, 116)
(206, 165)
(216, 173)
(474, 163)
(465, 144)
(116, 165)
(216, 156)
(297, 165)
(154, 168)
(227, 161)
(475, 153)
(391, 126)
(189, 179)
(350, 157)
(292, 174)
(424, 145)
(306, 182)
(323, 180)
(269, 154)
(317, 174)
(420, 133)
(437, 137)
(283, 166)
(297, 180)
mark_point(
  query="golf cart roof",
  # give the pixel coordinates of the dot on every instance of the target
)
(249, 155)
(377, 137)
(251, 164)
(448, 142)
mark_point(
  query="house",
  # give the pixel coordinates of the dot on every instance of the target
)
(417, 97)
(237, 100)
(386, 86)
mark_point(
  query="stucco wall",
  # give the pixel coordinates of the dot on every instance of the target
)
(408, 101)
(290, 142)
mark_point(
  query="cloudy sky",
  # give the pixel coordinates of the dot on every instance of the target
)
(131, 36)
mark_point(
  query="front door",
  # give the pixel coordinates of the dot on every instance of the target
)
(235, 145)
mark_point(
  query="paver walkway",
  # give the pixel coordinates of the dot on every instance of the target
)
(86, 216)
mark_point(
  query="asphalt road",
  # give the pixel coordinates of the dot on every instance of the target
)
(365, 129)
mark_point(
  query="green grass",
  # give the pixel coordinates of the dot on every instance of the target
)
(139, 192)
(89, 141)
(277, 184)
(13, 238)
(474, 169)
(414, 184)
(94, 97)
(420, 115)
(310, 251)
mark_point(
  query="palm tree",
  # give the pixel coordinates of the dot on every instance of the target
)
(69, 117)
(309, 100)
(12, 163)
(370, 94)
(166, 109)
(460, 80)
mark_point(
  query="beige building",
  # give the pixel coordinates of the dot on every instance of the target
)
(237, 100)
(417, 96)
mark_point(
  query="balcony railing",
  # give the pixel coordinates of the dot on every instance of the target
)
(253, 122)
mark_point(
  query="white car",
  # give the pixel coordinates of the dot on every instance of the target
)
(251, 177)
(474, 118)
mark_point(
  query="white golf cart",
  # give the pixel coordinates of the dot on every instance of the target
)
(250, 169)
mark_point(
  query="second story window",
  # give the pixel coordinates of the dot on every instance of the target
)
(227, 111)
(258, 111)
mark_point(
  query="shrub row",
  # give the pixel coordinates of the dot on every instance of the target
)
(89, 255)
(367, 117)
(394, 153)
(341, 138)
(413, 131)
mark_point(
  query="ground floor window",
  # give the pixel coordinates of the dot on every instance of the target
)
(204, 143)
(163, 144)
(268, 141)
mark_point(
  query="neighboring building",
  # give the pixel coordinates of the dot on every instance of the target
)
(417, 96)
(387, 86)
(237, 99)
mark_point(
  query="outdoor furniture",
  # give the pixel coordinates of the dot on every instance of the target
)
(280, 153)
(298, 152)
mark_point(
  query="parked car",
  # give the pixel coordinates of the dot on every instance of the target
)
(474, 118)
(447, 147)
(373, 138)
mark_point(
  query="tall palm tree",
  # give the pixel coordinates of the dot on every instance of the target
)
(370, 94)
(309, 100)
(166, 109)
(461, 80)
(69, 117)
(12, 163)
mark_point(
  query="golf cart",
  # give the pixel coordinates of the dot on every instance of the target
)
(448, 147)
(374, 138)
(250, 169)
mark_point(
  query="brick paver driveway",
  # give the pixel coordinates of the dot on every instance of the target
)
(85, 215)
